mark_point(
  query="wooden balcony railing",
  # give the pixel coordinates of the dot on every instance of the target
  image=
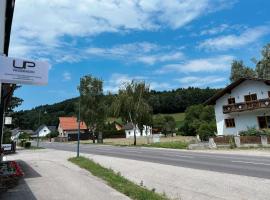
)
(244, 106)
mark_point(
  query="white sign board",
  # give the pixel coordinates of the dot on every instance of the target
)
(7, 147)
(8, 120)
(21, 71)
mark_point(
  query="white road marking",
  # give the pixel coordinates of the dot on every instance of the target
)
(253, 163)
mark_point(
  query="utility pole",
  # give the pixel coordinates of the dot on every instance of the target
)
(38, 129)
(79, 124)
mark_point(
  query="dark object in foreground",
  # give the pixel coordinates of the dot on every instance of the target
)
(10, 173)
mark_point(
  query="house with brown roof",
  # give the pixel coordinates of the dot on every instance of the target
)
(243, 104)
(69, 125)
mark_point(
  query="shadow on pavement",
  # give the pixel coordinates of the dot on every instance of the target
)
(22, 190)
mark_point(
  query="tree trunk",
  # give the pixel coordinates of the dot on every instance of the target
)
(93, 135)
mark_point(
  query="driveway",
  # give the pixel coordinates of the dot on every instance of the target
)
(48, 175)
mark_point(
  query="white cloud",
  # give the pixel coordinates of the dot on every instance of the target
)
(66, 76)
(144, 52)
(213, 64)
(40, 26)
(117, 81)
(235, 41)
(196, 81)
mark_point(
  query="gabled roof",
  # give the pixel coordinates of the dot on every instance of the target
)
(70, 123)
(230, 87)
(52, 128)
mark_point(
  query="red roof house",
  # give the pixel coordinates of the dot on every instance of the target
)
(70, 125)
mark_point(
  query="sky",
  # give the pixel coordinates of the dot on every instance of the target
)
(168, 44)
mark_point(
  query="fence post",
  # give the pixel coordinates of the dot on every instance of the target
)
(264, 140)
(237, 141)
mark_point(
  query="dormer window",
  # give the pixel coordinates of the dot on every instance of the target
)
(231, 100)
(250, 97)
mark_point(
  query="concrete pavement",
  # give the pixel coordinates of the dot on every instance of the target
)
(48, 175)
(181, 183)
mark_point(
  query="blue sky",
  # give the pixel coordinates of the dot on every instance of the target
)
(169, 44)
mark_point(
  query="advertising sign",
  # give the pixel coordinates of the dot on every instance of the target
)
(20, 71)
(8, 120)
(7, 147)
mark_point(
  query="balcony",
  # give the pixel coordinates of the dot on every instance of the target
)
(244, 106)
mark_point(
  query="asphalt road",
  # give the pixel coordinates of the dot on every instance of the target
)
(254, 166)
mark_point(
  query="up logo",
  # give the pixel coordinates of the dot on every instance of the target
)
(24, 64)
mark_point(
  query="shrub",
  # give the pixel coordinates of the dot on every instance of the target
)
(52, 134)
(207, 130)
(252, 131)
(113, 134)
(22, 142)
(27, 145)
(24, 135)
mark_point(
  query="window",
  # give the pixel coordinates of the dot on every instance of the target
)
(251, 97)
(230, 123)
(231, 100)
(264, 122)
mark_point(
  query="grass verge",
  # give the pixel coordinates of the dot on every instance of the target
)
(169, 145)
(116, 181)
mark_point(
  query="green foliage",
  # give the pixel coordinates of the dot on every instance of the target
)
(165, 123)
(22, 141)
(263, 66)
(173, 101)
(24, 135)
(27, 145)
(199, 120)
(116, 181)
(239, 70)
(131, 105)
(207, 130)
(252, 131)
(52, 134)
(178, 100)
(92, 106)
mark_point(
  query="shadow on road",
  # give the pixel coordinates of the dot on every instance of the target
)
(22, 190)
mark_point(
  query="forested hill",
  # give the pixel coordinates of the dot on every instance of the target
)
(173, 101)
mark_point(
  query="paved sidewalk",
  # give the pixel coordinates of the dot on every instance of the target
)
(48, 175)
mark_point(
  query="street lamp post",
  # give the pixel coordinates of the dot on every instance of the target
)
(39, 125)
(79, 124)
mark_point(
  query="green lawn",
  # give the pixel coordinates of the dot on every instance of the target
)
(169, 145)
(179, 118)
(117, 181)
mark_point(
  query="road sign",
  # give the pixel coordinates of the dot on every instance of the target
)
(8, 120)
(20, 71)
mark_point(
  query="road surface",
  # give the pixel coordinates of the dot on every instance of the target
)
(254, 166)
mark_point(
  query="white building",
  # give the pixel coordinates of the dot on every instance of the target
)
(43, 130)
(129, 130)
(244, 103)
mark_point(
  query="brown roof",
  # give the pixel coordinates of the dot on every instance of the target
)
(229, 88)
(70, 123)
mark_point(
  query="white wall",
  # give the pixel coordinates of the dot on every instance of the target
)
(44, 131)
(130, 133)
(242, 119)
